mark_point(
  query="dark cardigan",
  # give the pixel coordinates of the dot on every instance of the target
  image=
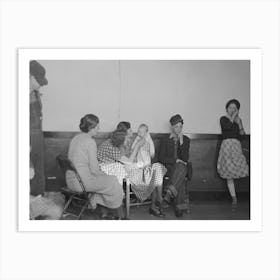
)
(166, 153)
(229, 129)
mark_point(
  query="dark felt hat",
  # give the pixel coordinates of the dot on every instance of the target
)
(39, 72)
(176, 119)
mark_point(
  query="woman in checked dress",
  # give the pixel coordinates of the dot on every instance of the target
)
(231, 161)
(117, 157)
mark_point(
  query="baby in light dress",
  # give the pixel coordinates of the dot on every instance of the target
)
(147, 151)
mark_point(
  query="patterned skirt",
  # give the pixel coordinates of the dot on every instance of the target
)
(231, 161)
(145, 180)
(116, 169)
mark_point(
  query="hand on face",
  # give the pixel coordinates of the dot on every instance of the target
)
(237, 119)
(234, 114)
(141, 142)
(142, 132)
(181, 161)
(180, 137)
(177, 130)
(232, 111)
(146, 146)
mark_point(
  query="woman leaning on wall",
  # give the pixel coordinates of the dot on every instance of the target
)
(231, 161)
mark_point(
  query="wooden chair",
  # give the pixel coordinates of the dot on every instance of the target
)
(81, 198)
(130, 198)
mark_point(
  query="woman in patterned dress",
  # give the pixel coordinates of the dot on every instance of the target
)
(117, 152)
(231, 161)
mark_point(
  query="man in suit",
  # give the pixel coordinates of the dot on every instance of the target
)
(174, 154)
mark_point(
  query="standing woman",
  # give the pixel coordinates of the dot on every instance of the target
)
(231, 161)
(83, 154)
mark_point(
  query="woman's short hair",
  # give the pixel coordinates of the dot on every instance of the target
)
(176, 119)
(123, 126)
(88, 122)
(233, 101)
(118, 137)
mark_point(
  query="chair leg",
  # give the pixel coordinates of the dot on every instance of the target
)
(127, 199)
(66, 206)
(82, 211)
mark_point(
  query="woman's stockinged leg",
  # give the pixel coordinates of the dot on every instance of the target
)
(160, 200)
(154, 198)
(120, 212)
(153, 209)
(231, 188)
(159, 194)
(156, 180)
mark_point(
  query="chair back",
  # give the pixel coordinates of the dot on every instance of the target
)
(66, 165)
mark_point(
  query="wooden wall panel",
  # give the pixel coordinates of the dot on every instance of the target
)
(203, 155)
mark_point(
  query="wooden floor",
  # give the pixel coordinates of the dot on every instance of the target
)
(206, 207)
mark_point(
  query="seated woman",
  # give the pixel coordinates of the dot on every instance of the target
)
(83, 154)
(146, 180)
(126, 127)
(109, 155)
(174, 154)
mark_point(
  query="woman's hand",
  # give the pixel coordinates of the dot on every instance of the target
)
(180, 136)
(180, 161)
(238, 120)
(141, 142)
(146, 146)
(234, 115)
(240, 125)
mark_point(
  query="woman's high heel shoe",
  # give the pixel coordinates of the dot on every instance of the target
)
(155, 212)
(178, 213)
(162, 213)
(234, 204)
(161, 209)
